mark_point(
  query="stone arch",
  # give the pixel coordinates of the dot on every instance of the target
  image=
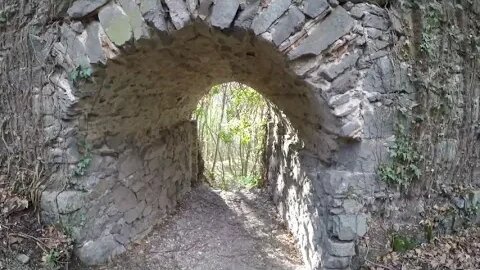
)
(126, 150)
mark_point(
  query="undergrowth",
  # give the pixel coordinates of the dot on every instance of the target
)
(402, 169)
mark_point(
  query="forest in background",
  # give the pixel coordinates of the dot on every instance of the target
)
(231, 121)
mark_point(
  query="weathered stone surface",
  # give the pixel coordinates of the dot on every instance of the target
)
(340, 249)
(332, 262)
(137, 22)
(124, 198)
(144, 148)
(153, 13)
(266, 17)
(336, 25)
(313, 8)
(365, 155)
(69, 201)
(349, 227)
(135, 213)
(116, 24)
(347, 108)
(332, 70)
(245, 17)
(351, 129)
(81, 8)
(23, 258)
(224, 12)
(178, 12)
(98, 251)
(93, 44)
(287, 25)
(371, 20)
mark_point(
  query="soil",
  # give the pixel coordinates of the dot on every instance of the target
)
(215, 229)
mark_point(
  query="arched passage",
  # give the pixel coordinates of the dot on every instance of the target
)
(130, 150)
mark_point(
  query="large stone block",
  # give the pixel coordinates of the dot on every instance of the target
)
(335, 25)
(223, 13)
(116, 23)
(287, 25)
(178, 13)
(81, 8)
(364, 156)
(340, 249)
(100, 250)
(349, 227)
(153, 12)
(313, 8)
(266, 17)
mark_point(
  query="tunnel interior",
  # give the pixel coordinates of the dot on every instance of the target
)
(136, 126)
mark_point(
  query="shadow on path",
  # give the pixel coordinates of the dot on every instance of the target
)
(216, 230)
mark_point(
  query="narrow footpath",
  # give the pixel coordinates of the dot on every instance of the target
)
(215, 229)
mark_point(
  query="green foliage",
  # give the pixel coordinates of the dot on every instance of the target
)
(431, 27)
(51, 259)
(250, 181)
(84, 163)
(231, 120)
(80, 73)
(402, 243)
(403, 168)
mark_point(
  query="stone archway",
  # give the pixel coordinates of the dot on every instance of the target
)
(127, 152)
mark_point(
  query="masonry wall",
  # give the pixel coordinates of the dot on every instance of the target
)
(331, 67)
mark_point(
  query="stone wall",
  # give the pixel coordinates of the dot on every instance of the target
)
(128, 74)
(129, 186)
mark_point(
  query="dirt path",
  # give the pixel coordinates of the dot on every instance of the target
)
(216, 230)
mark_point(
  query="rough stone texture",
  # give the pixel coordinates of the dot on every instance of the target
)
(336, 25)
(224, 12)
(116, 24)
(84, 7)
(313, 8)
(135, 112)
(178, 12)
(287, 25)
(266, 17)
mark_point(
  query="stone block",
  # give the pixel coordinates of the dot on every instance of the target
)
(116, 23)
(48, 205)
(340, 249)
(94, 43)
(152, 11)
(325, 33)
(287, 25)
(332, 70)
(333, 262)
(178, 13)
(266, 17)
(81, 8)
(378, 122)
(98, 251)
(134, 213)
(364, 156)
(124, 198)
(313, 8)
(139, 28)
(223, 13)
(245, 17)
(345, 82)
(349, 227)
(374, 21)
(70, 201)
(347, 108)
(344, 182)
